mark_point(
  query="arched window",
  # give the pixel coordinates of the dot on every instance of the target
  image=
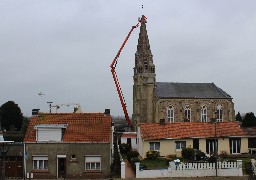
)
(187, 114)
(170, 114)
(204, 114)
(219, 114)
(146, 63)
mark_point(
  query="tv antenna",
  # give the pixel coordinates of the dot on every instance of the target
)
(41, 94)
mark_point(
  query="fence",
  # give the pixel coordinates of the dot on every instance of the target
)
(193, 170)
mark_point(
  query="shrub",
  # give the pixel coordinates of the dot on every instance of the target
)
(212, 159)
(124, 148)
(200, 155)
(152, 155)
(223, 155)
(188, 153)
(248, 168)
(131, 155)
(133, 161)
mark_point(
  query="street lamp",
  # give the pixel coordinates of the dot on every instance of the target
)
(214, 120)
(4, 148)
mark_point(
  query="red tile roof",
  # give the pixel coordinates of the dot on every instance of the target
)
(178, 130)
(82, 127)
(129, 135)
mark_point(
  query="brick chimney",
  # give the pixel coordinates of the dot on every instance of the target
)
(107, 111)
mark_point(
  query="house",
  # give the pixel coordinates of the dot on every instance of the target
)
(130, 138)
(11, 160)
(172, 101)
(69, 145)
(171, 138)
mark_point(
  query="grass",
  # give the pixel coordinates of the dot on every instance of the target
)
(158, 163)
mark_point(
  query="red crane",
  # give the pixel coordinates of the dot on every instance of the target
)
(113, 66)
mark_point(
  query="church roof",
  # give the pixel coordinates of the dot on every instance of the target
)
(190, 90)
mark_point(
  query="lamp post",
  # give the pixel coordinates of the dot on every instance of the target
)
(4, 148)
(215, 147)
(214, 120)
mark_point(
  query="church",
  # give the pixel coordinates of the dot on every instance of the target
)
(169, 102)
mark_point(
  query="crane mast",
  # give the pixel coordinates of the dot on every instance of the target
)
(117, 84)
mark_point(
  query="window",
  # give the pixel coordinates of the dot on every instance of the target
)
(210, 146)
(50, 132)
(251, 142)
(204, 114)
(235, 145)
(154, 146)
(170, 114)
(180, 145)
(92, 163)
(219, 114)
(187, 114)
(73, 157)
(146, 63)
(40, 162)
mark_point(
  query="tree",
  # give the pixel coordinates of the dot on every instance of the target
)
(239, 117)
(11, 116)
(249, 120)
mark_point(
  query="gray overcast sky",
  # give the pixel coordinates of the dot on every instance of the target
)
(64, 48)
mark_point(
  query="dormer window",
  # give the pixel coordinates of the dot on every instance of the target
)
(50, 132)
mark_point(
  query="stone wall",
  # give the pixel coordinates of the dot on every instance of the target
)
(227, 106)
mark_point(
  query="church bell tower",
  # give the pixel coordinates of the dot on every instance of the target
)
(144, 79)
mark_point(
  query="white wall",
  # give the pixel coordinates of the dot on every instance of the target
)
(134, 141)
(203, 170)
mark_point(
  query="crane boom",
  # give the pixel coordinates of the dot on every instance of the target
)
(118, 87)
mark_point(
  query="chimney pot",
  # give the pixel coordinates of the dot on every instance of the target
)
(35, 112)
(107, 111)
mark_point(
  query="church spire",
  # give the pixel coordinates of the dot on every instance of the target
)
(143, 41)
(144, 79)
(143, 56)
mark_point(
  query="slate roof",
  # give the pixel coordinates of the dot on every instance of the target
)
(181, 130)
(81, 127)
(190, 90)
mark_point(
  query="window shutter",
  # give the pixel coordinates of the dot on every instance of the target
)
(92, 159)
(36, 158)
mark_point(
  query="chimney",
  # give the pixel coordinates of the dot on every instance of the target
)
(162, 122)
(35, 112)
(107, 111)
(77, 109)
